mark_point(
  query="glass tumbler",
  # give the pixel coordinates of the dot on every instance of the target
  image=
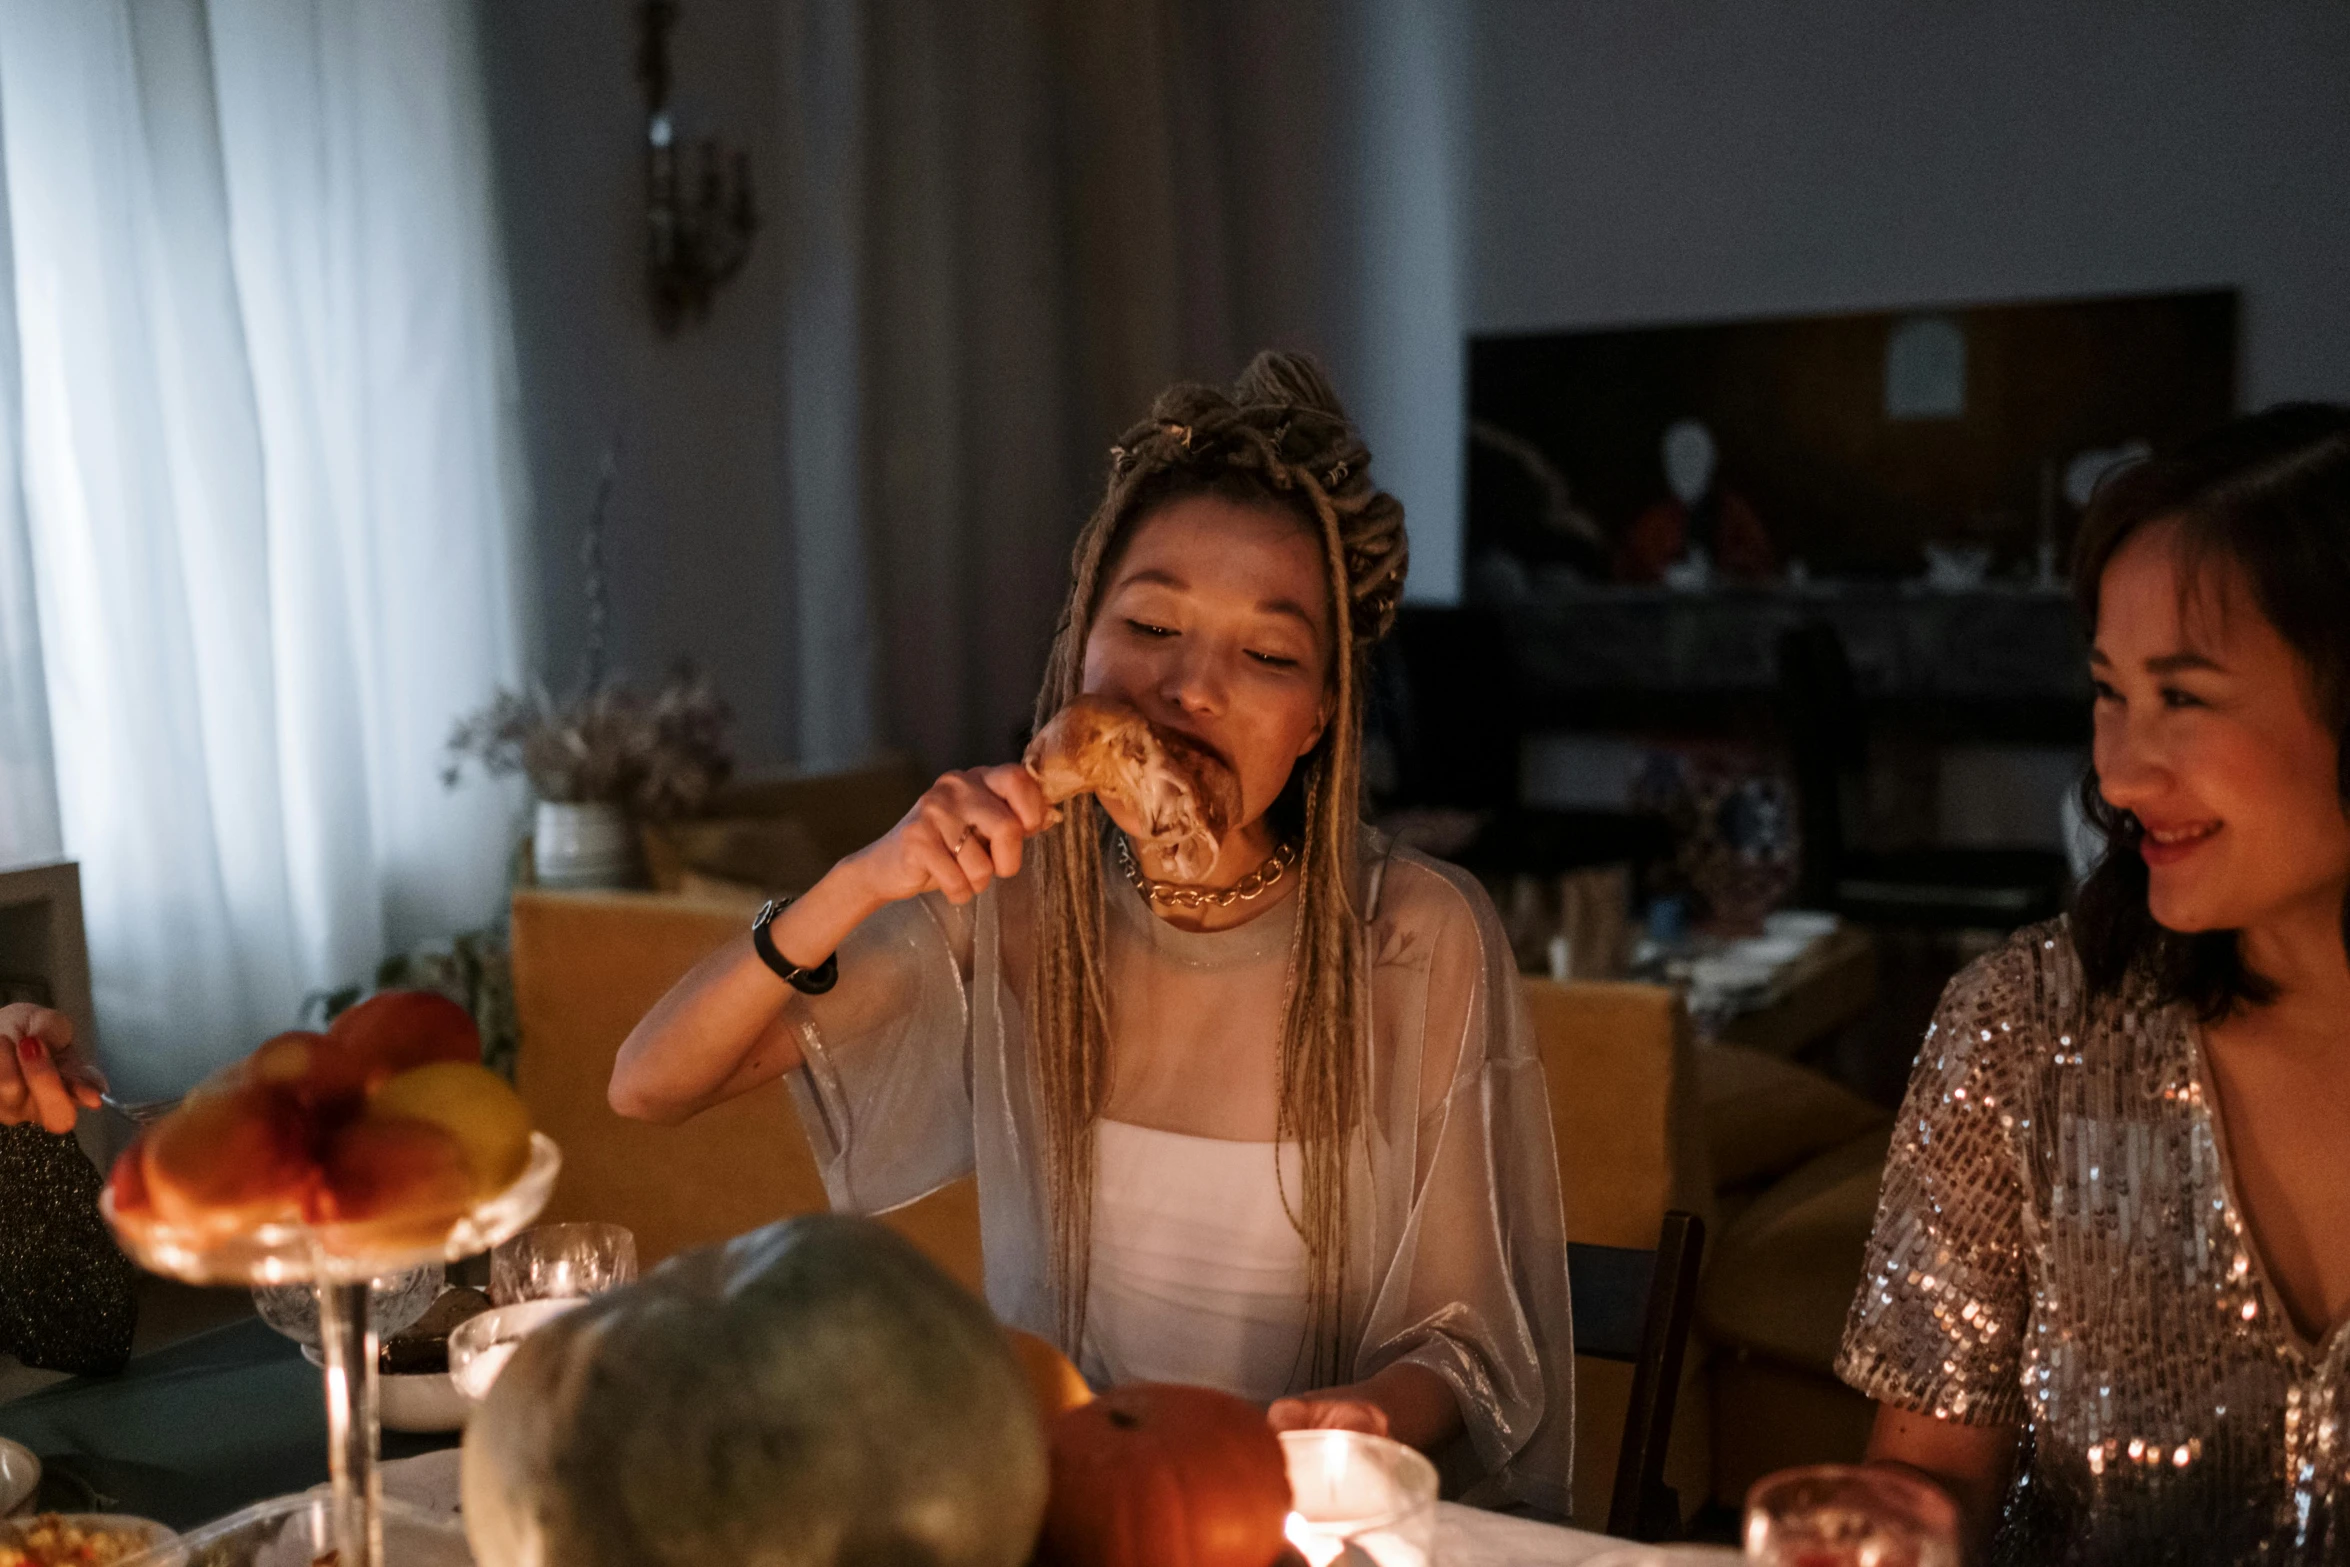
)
(562, 1262)
(394, 1302)
(1844, 1515)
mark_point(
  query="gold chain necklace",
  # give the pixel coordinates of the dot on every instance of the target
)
(1182, 896)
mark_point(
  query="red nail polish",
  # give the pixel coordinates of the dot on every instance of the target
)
(28, 1049)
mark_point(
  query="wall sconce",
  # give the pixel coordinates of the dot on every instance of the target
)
(694, 239)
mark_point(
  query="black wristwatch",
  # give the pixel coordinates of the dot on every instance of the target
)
(807, 981)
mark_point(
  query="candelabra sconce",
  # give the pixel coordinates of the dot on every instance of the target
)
(698, 222)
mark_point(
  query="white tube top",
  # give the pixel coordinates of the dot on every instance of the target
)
(1197, 1274)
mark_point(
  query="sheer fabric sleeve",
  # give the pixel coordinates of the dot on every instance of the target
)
(884, 1092)
(1474, 1284)
(1938, 1325)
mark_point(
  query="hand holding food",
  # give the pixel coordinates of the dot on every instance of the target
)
(1179, 793)
(381, 1132)
(965, 831)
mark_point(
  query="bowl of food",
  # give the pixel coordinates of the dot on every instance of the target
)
(80, 1540)
(414, 1392)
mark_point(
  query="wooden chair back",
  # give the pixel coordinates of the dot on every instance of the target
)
(1635, 1307)
(1619, 1060)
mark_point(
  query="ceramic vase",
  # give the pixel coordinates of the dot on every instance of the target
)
(585, 845)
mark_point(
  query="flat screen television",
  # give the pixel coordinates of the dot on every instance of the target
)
(1852, 441)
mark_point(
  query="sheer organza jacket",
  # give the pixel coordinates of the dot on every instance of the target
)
(918, 1073)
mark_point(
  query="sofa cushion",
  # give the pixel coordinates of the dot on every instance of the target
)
(1764, 1115)
(773, 853)
(1783, 1276)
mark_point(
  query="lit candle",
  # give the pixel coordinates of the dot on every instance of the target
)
(1359, 1499)
(1323, 1543)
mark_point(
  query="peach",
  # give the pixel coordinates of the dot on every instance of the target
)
(392, 1181)
(397, 1029)
(128, 1181)
(230, 1160)
(319, 1073)
(472, 1104)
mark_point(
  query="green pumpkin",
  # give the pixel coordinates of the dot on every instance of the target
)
(813, 1394)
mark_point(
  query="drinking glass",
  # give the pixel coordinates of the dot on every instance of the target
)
(394, 1302)
(562, 1262)
(1359, 1499)
(1667, 1556)
(1843, 1515)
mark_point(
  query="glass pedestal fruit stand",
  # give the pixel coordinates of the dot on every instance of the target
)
(339, 1271)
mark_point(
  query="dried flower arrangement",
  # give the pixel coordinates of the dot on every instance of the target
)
(656, 754)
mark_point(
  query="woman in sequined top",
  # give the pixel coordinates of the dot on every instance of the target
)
(2105, 1303)
(65, 1289)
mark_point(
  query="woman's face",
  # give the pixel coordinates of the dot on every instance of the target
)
(2208, 732)
(1216, 622)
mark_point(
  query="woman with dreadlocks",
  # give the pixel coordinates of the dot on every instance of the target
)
(1277, 1128)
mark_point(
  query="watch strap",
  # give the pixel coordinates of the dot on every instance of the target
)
(807, 981)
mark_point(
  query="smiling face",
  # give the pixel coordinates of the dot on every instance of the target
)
(1215, 622)
(2207, 731)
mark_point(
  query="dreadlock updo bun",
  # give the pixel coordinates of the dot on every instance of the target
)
(1280, 434)
(1277, 437)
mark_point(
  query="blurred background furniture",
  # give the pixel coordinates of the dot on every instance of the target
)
(1826, 728)
(1450, 718)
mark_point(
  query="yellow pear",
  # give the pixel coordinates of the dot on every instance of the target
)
(472, 1104)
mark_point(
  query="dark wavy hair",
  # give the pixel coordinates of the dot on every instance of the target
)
(2267, 496)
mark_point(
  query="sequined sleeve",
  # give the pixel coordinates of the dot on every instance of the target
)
(1938, 1324)
(66, 1300)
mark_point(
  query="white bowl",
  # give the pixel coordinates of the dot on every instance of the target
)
(20, 1476)
(480, 1346)
(422, 1402)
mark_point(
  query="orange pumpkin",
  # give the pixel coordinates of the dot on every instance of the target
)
(1055, 1383)
(1154, 1475)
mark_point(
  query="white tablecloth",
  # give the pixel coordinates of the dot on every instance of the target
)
(1465, 1536)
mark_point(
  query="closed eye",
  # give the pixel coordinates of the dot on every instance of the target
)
(1275, 660)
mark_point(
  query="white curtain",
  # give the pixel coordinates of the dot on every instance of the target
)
(269, 483)
(28, 778)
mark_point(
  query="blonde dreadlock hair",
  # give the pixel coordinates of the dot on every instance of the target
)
(1278, 437)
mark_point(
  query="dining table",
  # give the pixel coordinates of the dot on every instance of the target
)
(198, 1430)
(187, 1433)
